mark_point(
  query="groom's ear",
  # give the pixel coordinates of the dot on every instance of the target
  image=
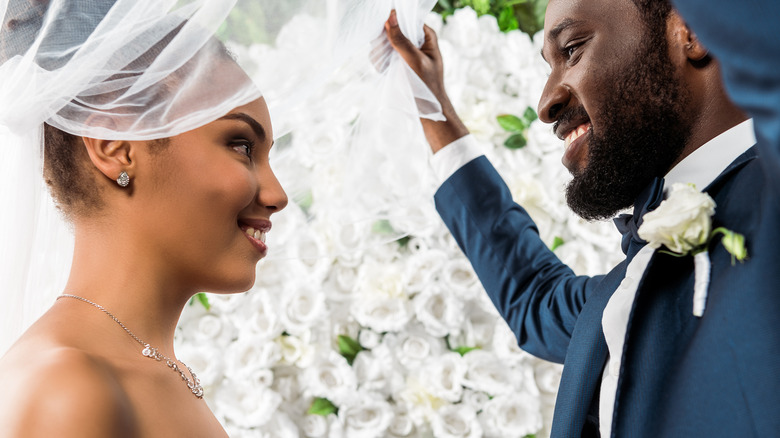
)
(683, 42)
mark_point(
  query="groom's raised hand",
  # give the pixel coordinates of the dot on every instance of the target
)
(426, 62)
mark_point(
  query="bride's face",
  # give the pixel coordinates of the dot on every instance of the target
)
(208, 200)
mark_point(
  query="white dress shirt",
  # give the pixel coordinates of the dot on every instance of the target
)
(700, 168)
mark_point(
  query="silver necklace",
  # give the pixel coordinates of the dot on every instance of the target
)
(151, 352)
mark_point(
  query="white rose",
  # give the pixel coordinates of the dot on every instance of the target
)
(682, 222)
(245, 404)
(206, 361)
(512, 415)
(477, 330)
(249, 354)
(382, 315)
(380, 302)
(444, 376)
(286, 383)
(377, 371)
(401, 425)
(260, 315)
(413, 348)
(331, 377)
(440, 314)
(487, 374)
(506, 348)
(421, 269)
(296, 349)
(458, 276)
(209, 328)
(281, 426)
(301, 308)
(369, 339)
(548, 376)
(475, 399)
(315, 426)
(456, 421)
(367, 417)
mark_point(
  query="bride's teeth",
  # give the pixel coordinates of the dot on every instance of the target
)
(262, 237)
(250, 231)
(257, 234)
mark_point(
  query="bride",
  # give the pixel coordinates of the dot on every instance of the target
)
(156, 149)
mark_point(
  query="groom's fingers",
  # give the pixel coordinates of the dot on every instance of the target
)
(411, 54)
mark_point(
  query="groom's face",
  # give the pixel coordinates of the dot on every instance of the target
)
(616, 99)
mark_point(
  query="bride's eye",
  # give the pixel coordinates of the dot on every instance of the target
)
(244, 147)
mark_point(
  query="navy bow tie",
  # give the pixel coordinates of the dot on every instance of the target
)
(628, 224)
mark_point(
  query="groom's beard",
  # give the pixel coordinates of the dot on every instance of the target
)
(643, 130)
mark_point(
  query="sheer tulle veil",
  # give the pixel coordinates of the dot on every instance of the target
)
(148, 69)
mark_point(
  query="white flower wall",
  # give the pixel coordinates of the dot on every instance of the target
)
(422, 351)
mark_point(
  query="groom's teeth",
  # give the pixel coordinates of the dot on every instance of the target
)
(575, 134)
(262, 237)
(257, 234)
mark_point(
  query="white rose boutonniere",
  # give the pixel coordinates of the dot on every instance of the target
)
(683, 224)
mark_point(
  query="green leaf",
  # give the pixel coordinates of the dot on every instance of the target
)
(202, 299)
(382, 226)
(481, 6)
(734, 244)
(530, 15)
(557, 242)
(516, 141)
(349, 348)
(322, 406)
(511, 123)
(403, 241)
(529, 115)
(507, 20)
(530, 435)
(463, 350)
(305, 201)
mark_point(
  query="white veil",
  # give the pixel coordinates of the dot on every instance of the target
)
(147, 69)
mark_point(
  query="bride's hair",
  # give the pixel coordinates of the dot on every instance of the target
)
(67, 168)
(70, 175)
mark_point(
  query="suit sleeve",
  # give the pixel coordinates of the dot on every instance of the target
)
(538, 295)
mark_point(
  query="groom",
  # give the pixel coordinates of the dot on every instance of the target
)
(639, 105)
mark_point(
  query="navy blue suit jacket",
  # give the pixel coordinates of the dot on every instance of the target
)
(681, 376)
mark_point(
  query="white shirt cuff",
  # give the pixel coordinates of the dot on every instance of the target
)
(455, 155)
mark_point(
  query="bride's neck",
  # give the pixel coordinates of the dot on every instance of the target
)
(118, 275)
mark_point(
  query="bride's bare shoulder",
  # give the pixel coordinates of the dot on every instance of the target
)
(60, 391)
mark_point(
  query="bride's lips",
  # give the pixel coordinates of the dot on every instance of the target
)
(574, 143)
(255, 231)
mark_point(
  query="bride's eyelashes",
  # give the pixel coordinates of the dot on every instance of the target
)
(243, 146)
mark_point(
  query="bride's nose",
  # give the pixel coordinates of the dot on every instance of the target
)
(270, 193)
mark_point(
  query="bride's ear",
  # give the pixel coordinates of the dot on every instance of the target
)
(111, 157)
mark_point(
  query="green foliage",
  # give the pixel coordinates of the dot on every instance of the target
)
(463, 350)
(526, 15)
(322, 406)
(516, 141)
(518, 126)
(511, 123)
(349, 348)
(202, 299)
(557, 242)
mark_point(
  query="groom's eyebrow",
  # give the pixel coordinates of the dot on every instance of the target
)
(254, 124)
(553, 34)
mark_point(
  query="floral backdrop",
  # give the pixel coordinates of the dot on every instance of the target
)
(354, 332)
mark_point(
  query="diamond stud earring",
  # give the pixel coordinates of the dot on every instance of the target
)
(123, 180)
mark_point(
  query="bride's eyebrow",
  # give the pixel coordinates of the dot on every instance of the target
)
(256, 127)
